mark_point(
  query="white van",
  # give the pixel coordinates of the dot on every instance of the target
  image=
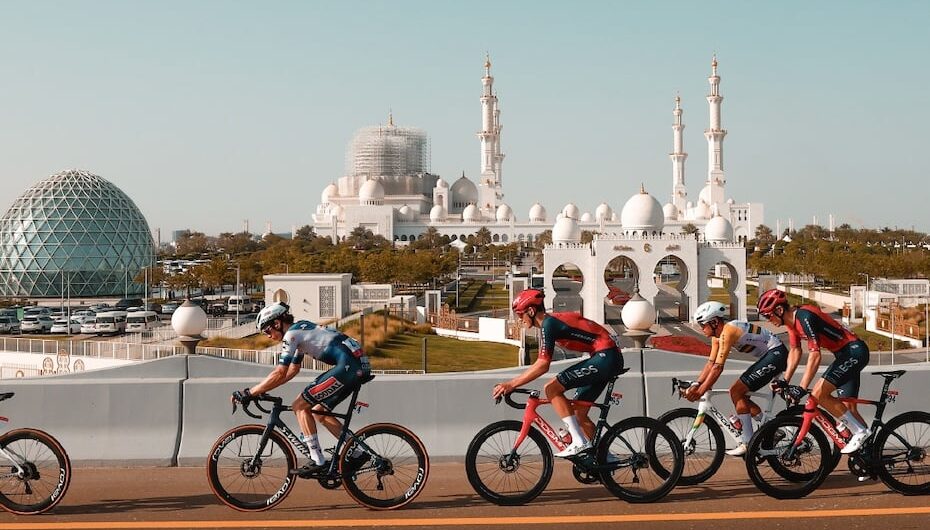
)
(243, 304)
(110, 322)
(142, 321)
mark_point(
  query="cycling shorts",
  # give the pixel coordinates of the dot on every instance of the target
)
(338, 383)
(772, 363)
(843, 373)
(591, 375)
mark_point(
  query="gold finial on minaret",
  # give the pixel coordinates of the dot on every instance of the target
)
(391, 118)
(713, 63)
(487, 63)
(677, 101)
(642, 188)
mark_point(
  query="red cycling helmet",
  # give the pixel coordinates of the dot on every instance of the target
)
(527, 299)
(770, 300)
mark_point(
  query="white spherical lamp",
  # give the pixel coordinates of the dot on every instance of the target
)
(188, 322)
(638, 314)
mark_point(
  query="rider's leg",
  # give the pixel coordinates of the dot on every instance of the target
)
(555, 392)
(308, 426)
(823, 391)
(587, 425)
(745, 409)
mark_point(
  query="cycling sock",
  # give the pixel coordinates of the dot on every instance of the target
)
(574, 429)
(853, 422)
(746, 419)
(316, 453)
(759, 417)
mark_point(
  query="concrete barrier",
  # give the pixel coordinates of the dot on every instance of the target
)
(170, 411)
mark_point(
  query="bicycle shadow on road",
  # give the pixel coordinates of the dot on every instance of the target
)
(153, 504)
(843, 486)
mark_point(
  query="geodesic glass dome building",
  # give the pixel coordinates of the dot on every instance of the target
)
(73, 234)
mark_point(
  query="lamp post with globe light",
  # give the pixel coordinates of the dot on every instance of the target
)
(638, 317)
(188, 322)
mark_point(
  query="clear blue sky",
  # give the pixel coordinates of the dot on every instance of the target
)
(207, 113)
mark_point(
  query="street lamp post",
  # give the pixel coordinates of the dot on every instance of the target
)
(865, 297)
(238, 300)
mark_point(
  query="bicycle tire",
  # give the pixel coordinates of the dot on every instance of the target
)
(47, 472)
(779, 477)
(705, 454)
(508, 483)
(646, 445)
(901, 449)
(394, 475)
(251, 489)
(835, 454)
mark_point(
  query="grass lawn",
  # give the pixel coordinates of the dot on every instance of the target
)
(878, 342)
(495, 296)
(404, 351)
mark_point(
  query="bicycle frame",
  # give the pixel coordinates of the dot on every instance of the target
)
(10, 458)
(706, 405)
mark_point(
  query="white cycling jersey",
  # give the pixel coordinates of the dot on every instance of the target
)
(321, 343)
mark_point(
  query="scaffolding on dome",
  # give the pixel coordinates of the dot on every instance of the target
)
(388, 151)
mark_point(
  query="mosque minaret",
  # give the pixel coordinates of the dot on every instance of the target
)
(715, 135)
(678, 156)
(490, 191)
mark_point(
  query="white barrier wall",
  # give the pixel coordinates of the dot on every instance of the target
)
(170, 411)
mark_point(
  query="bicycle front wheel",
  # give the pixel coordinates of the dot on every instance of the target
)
(704, 453)
(246, 476)
(901, 450)
(37, 477)
(396, 471)
(503, 474)
(643, 457)
(785, 474)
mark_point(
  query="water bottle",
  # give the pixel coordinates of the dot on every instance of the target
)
(565, 436)
(842, 430)
(736, 422)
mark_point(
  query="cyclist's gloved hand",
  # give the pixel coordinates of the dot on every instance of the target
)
(779, 384)
(795, 393)
(243, 396)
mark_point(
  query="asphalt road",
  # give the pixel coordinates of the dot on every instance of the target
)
(161, 498)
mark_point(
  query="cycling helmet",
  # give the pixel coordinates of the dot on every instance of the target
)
(770, 300)
(709, 311)
(527, 299)
(271, 313)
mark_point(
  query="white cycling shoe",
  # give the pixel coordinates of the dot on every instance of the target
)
(855, 442)
(739, 450)
(574, 449)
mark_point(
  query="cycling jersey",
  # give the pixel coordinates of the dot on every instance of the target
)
(321, 343)
(574, 332)
(744, 337)
(819, 329)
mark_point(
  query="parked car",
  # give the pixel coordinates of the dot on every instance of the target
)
(96, 308)
(9, 324)
(168, 308)
(89, 325)
(126, 303)
(32, 311)
(64, 325)
(142, 321)
(153, 306)
(110, 322)
(82, 313)
(217, 310)
(241, 304)
(36, 324)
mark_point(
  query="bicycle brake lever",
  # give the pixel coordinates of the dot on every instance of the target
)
(234, 407)
(497, 400)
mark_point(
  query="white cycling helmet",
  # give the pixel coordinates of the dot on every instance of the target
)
(709, 311)
(271, 313)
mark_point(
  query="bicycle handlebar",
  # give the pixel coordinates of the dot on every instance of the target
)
(256, 400)
(680, 384)
(514, 404)
(6, 395)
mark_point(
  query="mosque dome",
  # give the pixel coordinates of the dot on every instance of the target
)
(471, 214)
(604, 211)
(718, 229)
(642, 212)
(587, 217)
(441, 183)
(566, 230)
(463, 193)
(437, 214)
(571, 211)
(337, 211)
(730, 201)
(670, 211)
(328, 193)
(371, 192)
(406, 213)
(702, 210)
(537, 213)
(76, 228)
(504, 213)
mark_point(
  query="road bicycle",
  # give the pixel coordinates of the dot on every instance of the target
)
(251, 467)
(895, 452)
(510, 462)
(701, 430)
(35, 470)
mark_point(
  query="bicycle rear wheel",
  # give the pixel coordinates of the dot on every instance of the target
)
(704, 454)
(645, 459)
(500, 478)
(394, 474)
(780, 476)
(901, 453)
(248, 482)
(45, 475)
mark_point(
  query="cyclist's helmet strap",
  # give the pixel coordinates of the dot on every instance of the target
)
(770, 300)
(271, 313)
(527, 299)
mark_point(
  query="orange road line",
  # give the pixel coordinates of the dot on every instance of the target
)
(475, 521)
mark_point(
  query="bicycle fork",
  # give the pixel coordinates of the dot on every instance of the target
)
(22, 473)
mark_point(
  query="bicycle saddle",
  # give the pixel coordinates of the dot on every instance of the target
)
(891, 375)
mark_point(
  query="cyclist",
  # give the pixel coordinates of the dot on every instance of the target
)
(821, 331)
(771, 355)
(350, 370)
(589, 376)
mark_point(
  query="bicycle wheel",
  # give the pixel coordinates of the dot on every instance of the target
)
(901, 453)
(778, 475)
(636, 449)
(45, 475)
(704, 453)
(835, 455)
(500, 478)
(396, 472)
(245, 479)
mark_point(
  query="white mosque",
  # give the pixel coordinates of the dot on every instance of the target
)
(389, 190)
